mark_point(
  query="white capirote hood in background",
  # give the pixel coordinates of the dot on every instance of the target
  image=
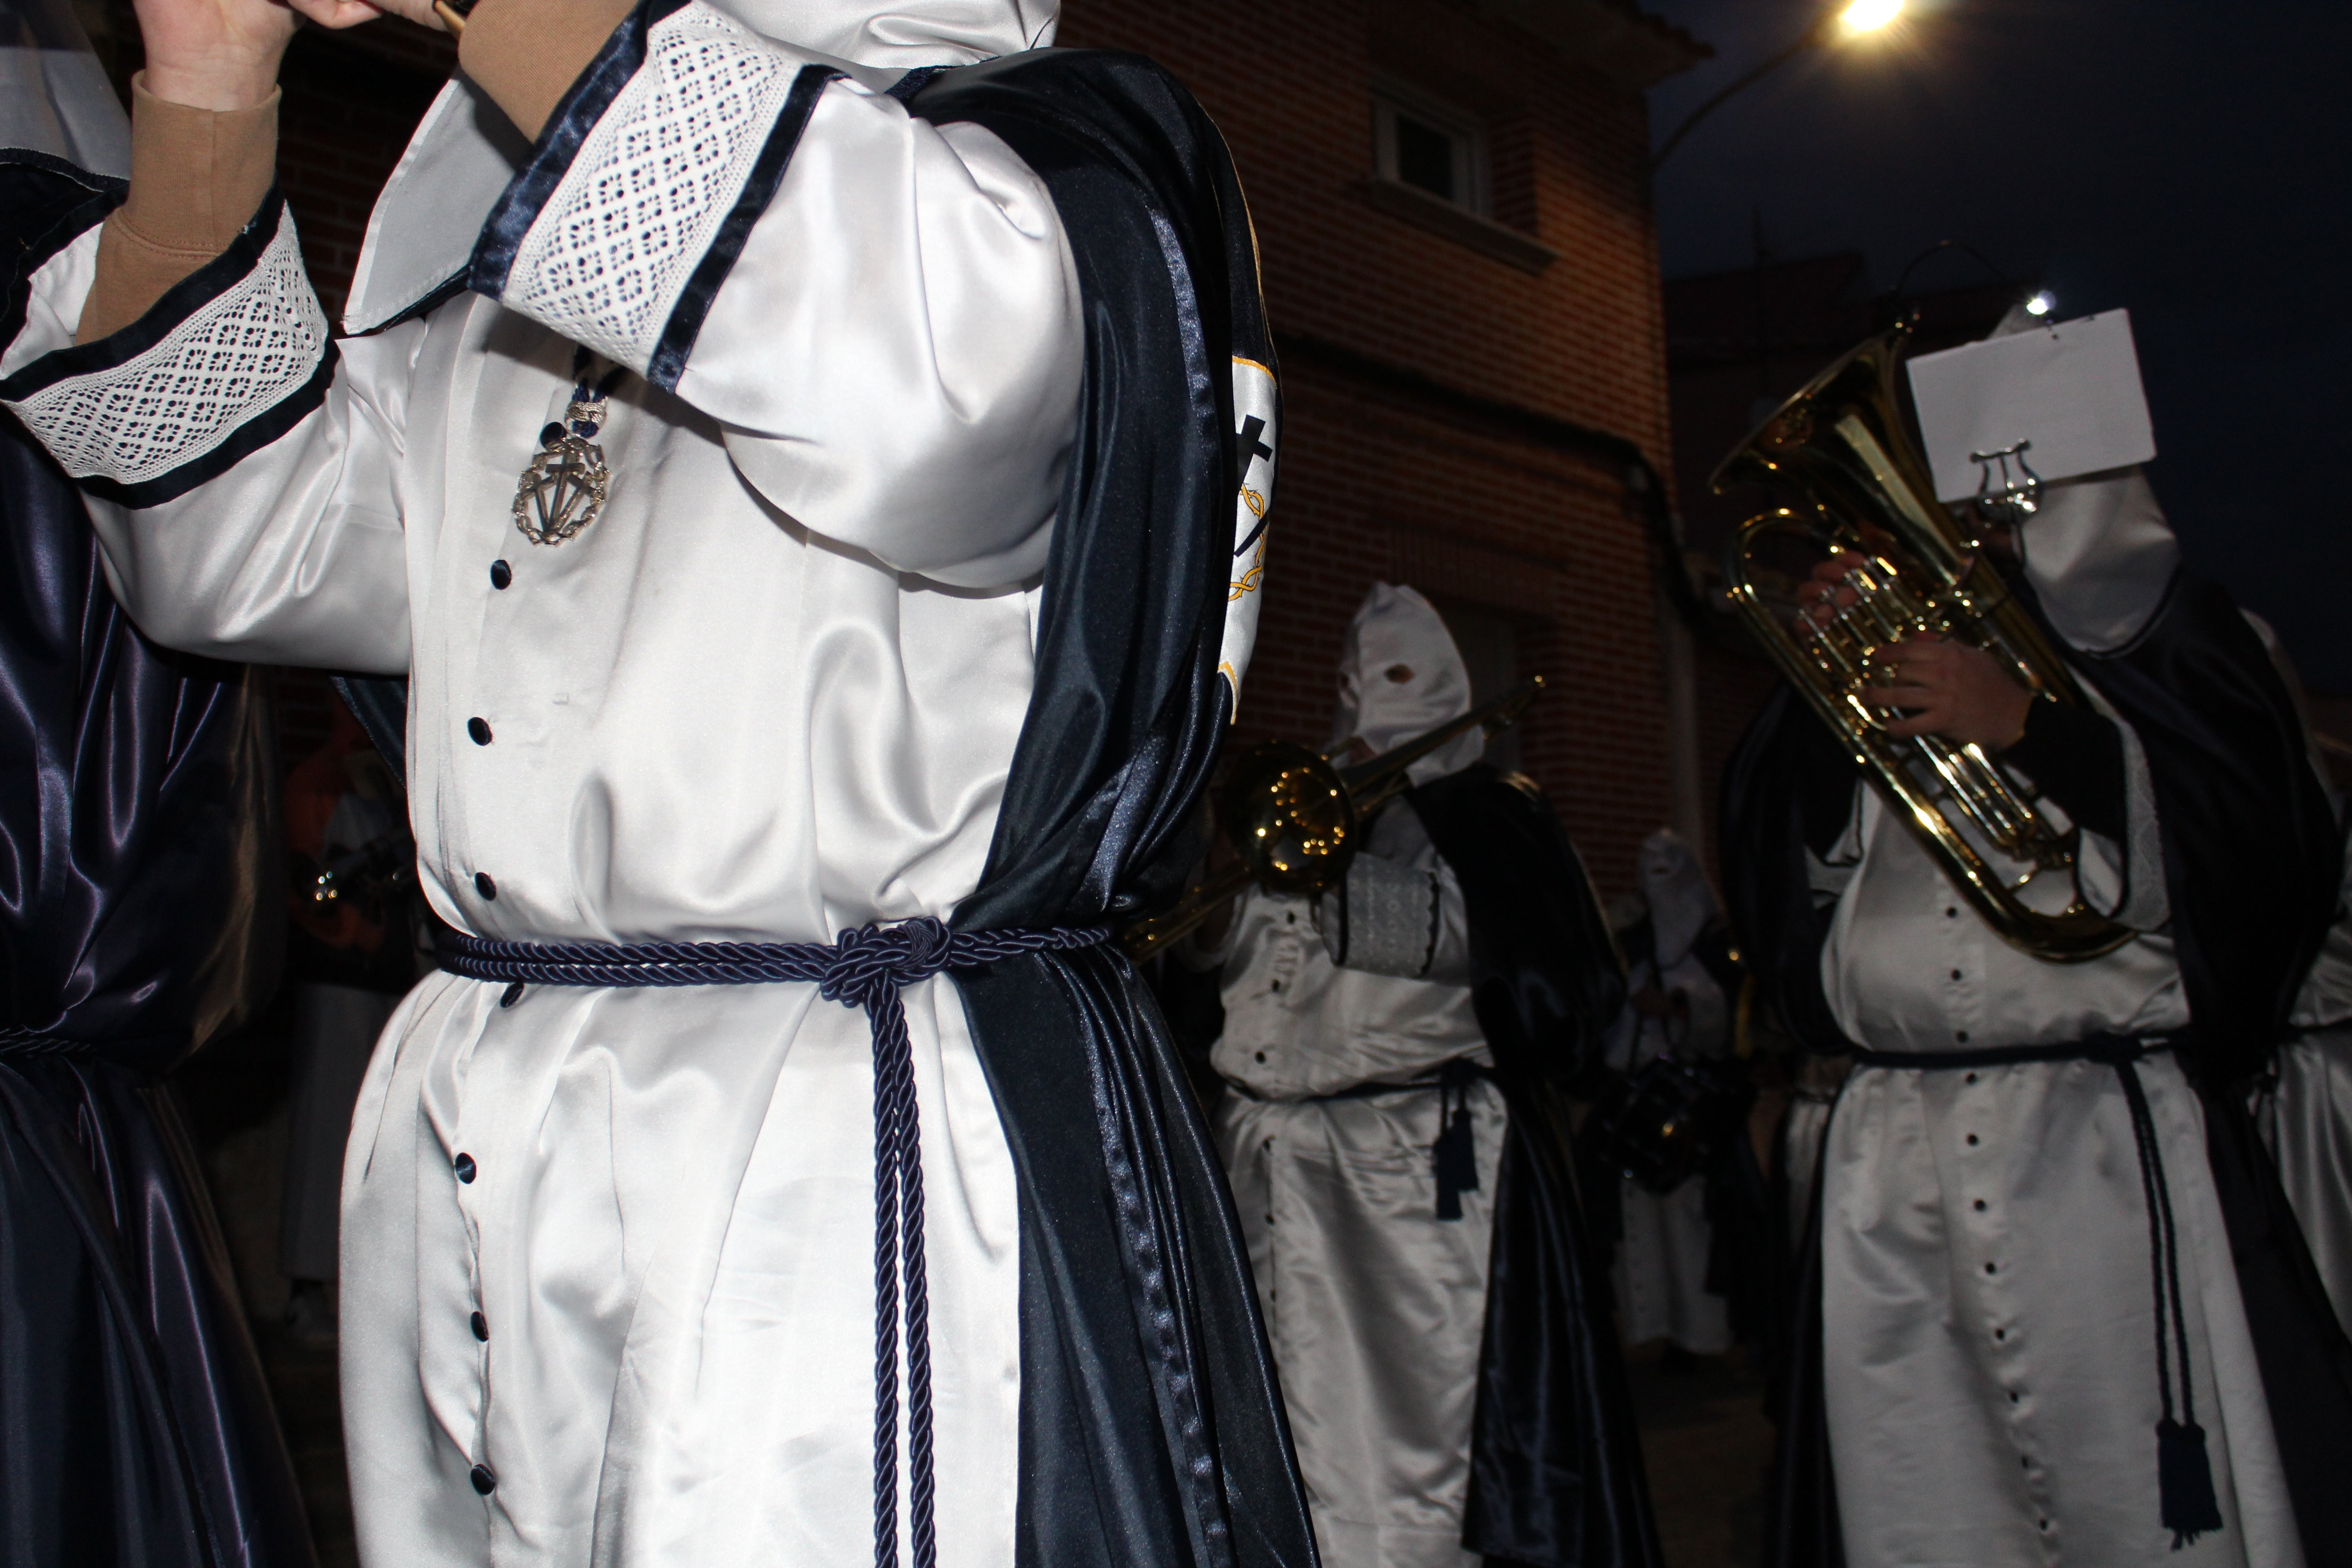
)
(1680, 898)
(2099, 551)
(1401, 676)
(466, 150)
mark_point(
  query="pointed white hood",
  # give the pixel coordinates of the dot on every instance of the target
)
(466, 151)
(2099, 551)
(1680, 900)
(1399, 676)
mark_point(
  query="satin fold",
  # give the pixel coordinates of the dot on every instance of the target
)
(138, 911)
(1556, 1479)
(1150, 1427)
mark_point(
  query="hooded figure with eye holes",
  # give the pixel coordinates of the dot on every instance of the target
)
(1394, 1050)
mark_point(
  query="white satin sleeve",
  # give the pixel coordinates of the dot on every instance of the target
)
(243, 475)
(882, 314)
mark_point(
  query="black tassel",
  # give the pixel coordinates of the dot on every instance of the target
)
(2184, 1480)
(1457, 1163)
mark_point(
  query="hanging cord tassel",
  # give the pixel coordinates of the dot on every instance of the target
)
(899, 1248)
(1454, 1155)
(867, 968)
(2184, 1472)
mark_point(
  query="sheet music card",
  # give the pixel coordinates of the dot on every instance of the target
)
(2071, 389)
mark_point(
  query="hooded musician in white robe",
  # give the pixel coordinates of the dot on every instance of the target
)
(1385, 1173)
(1660, 1270)
(1372, 1301)
(1985, 1346)
(610, 1253)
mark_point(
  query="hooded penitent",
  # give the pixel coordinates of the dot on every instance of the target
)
(1680, 899)
(1400, 676)
(2246, 853)
(141, 922)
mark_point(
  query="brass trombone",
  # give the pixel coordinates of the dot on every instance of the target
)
(1292, 815)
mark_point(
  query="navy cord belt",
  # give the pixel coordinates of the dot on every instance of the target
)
(16, 1039)
(1453, 1156)
(866, 968)
(2184, 1473)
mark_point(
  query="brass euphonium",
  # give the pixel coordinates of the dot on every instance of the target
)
(1292, 815)
(1839, 450)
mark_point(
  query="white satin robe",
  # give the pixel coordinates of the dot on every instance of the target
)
(1374, 1306)
(1987, 1317)
(1660, 1275)
(2304, 1114)
(730, 708)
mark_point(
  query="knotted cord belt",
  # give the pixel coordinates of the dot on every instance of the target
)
(1454, 1157)
(2184, 1472)
(867, 967)
(16, 1039)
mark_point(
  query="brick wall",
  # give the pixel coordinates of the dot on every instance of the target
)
(1380, 482)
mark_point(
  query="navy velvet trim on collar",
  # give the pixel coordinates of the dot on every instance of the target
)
(581, 106)
(686, 317)
(165, 317)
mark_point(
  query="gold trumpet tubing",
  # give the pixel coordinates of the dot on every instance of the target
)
(1376, 782)
(1368, 786)
(1982, 796)
(1147, 936)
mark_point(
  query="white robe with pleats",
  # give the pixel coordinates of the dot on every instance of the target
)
(772, 693)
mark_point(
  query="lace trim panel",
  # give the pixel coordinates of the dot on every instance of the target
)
(237, 356)
(1391, 919)
(655, 180)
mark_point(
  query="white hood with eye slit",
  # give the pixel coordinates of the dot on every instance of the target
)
(1397, 630)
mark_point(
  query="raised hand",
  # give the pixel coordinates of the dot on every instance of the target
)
(224, 53)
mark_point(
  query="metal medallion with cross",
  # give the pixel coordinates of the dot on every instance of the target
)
(562, 491)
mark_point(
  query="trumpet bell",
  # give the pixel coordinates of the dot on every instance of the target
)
(1290, 817)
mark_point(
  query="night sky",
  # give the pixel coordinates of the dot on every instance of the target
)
(2186, 159)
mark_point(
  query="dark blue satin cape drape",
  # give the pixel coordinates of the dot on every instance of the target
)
(2252, 861)
(1151, 1432)
(137, 912)
(1556, 1476)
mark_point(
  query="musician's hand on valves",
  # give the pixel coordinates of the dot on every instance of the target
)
(1825, 593)
(1952, 690)
(223, 54)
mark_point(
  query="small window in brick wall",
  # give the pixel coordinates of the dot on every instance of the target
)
(1437, 151)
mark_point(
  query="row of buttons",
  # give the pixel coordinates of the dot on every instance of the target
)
(479, 731)
(2000, 1335)
(485, 1479)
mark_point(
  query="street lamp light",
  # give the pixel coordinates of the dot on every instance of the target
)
(1856, 19)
